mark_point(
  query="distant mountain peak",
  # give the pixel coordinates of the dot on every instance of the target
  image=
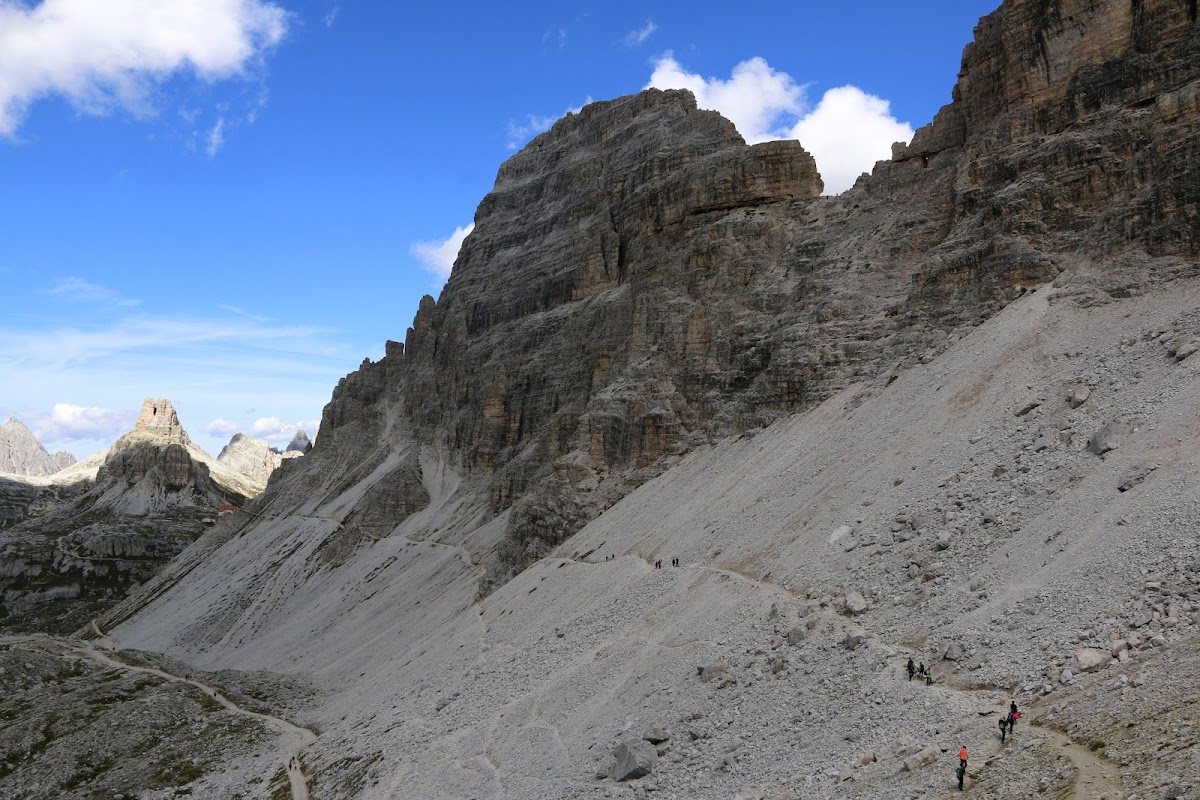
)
(22, 454)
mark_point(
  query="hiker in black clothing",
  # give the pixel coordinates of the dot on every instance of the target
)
(912, 668)
(921, 670)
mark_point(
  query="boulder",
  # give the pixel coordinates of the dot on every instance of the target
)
(1078, 396)
(656, 736)
(855, 602)
(797, 635)
(712, 672)
(633, 758)
(1105, 439)
(922, 758)
(1090, 659)
(953, 652)
(855, 638)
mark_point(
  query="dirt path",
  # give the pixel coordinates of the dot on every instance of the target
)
(301, 736)
(1095, 777)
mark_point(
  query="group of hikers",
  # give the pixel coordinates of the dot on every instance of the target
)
(658, 563)
(920, 672)
(1008, 721)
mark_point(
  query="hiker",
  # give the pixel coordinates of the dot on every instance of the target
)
(1013, 716)
(921, 670)
(960, 772)
(962, 757)
(1003, 728)
(929, 677)
(912, 668)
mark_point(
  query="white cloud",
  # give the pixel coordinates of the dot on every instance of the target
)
(438, 257)
(754, 98)
(521, 132)
(847, 132)
(639, 36)
(331, 16)
(78, 290)
(112, 54)
(222, 427)
(216, 137)
(68, 423)
(279, 433)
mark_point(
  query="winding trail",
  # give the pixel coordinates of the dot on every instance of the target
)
(1095, 777)
(302, 737)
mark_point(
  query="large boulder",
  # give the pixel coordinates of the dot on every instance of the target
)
(633, 758)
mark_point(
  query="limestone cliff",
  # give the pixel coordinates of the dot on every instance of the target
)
(641, 285)
(639, 280)
(22, 454)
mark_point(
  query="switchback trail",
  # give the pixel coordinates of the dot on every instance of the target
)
(301, 736)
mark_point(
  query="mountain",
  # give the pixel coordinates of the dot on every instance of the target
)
(22, 454)
(299, 444)
(77, 540)
(254, 458)
(944, 415)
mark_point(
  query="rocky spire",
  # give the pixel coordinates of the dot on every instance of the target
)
(300, 443)
(158, 417)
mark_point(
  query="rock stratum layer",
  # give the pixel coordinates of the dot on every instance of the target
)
(640, 281)
(794, 390)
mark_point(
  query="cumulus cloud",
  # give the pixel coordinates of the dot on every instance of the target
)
(279, 433)
(754, 98)
(79, 290)
(222, 427)
(106, 55)
(639, 36)
(438, 257)
(68, 423)
(847, 132)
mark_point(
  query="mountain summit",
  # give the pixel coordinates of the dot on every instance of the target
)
(22, 454)
(687, 460)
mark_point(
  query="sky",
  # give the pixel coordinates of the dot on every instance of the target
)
(232, 203)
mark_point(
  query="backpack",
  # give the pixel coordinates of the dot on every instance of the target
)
(1016, 715)
(959, 772)
(1003, 723)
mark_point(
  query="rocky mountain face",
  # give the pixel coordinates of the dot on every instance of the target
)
(22, 454)
(70, 549)
(639, 281)
(942, 415)
(300, 443)
(255, 458)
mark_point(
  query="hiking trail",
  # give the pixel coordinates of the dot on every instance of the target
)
(301, 736)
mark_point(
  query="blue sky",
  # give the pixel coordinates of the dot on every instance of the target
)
(233, 208)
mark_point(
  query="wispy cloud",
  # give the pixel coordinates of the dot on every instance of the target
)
(215, 138)
(332, 16)
(846, 133)
(520, 132)
(222, 427)
(114, 56)
(555, 37)
(207, 365)
(79, 290)
(438, 256)
(639, 36)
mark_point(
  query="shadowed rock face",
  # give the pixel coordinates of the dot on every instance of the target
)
(69, 551)
(640, 281)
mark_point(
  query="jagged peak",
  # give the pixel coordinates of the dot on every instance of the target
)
(158, 417)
